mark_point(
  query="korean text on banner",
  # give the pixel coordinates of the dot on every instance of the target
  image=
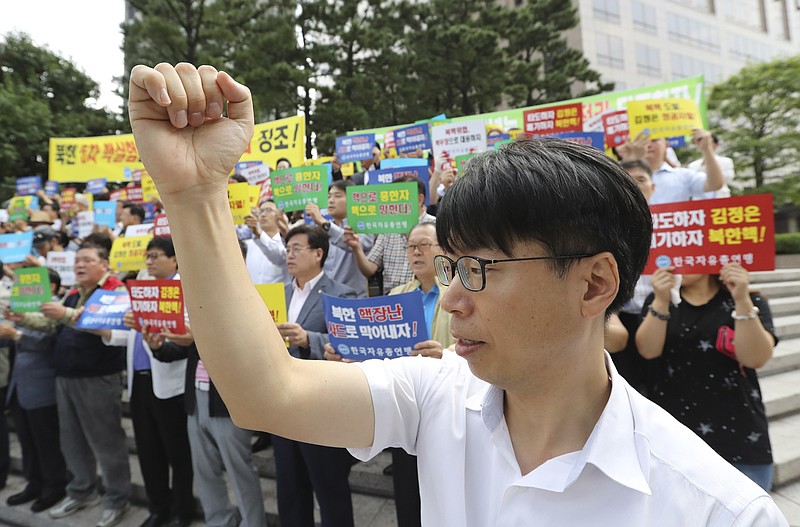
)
(105, 310)
(105, 213)
(294, 188)
(140, 229)
(554, 119)
(149, 190)
(128, 254)
(663, 118)
(454, 139)
(242, 198)
(28, 186)
(383, 209)
(390, 175)
(276, 139)
(96, 186)
(354, 147)
(159, 304)
(274, 297)
(80, 159)
(256, 175)
(699, 237)
(378, 327)
(411, 138)
(15, 247)
(615, 127)
(161, 226)
(593, 139)
(51, 188)
(63, 262)
(85, 222)
(31, 288)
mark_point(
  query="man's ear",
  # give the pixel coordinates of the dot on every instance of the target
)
(601, 276)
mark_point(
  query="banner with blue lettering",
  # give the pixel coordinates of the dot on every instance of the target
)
(105, 213)
(375, 328)
(51, 188)
(410, 138)
(96, 186)
(29, 185)
(354, 147)
(593, 139)
(15, 247)
(105, 310)
(390, 175)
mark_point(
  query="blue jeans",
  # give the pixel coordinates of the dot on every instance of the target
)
(761, 474)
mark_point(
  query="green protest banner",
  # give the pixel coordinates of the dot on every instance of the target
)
(18, 208)
(293, 188)
(391, 208)
(31, 288)
(461, 162)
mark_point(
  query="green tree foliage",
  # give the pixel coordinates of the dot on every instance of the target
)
(758, 111)
(42, 95)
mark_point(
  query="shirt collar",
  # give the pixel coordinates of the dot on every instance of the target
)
(308, 285)
(82, 290)
(615, 447)
(666, 167)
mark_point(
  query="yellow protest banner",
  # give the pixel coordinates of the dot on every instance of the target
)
(128, 254)
(149, 191)
(242, 198)
(663, 117)
(283, 138)
(79, 159)
(318, 161)
(274, 296)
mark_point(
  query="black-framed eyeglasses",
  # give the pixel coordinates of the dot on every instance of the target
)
(472, 269)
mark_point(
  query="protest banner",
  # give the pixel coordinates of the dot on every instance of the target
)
(242, 199)
(18, 208)
(390, 175)
(493, 139)
(274, 297)
(404, 162)
(377, 327)
(256, 175)
(663, 118)
(96, 186)
(118, 195)
(105, 310)
(354, 147)
(461, 163)
(31, 288)
(383, 209)
(411, 138)
(554, 120)
(68, 198)
(128, 254)
(593, 139)
(293, 188)
(699, 237)
(105, 214)
(149, 212)
(29, 185)
(159, 304)
(51, 188)
(454, 139)
(615, 128)
(81, 159)
(284, 138)
(16, 246)
(85, 223)
(161, 226)
(149, 190)
(135, 195)
(141, 229)
(63, 262)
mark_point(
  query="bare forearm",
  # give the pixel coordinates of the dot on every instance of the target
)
(714, 177)
(652, 333)
(366, 267)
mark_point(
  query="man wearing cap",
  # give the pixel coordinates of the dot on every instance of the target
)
(45, 239)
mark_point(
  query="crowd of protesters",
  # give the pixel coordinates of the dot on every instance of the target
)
(63, 386)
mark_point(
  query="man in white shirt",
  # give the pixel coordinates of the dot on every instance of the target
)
(725, 164)
(530, 425)
(266, 254)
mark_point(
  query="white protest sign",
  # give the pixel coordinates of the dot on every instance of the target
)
(138, 230)
(63, 262)
(256, 174)
(85, 223)
(455, 139)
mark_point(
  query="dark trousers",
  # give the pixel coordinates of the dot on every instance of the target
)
(42, 462)
(304, 470)
(159, 427)
(406, 488)
(5, 456)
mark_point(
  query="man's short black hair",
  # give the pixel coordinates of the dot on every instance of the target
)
(55, 278)
(278, 162)
(341, 184)
(636, 163)
(162, 243)
(421, 190)
(102, 252)
(100, 238)
(569, 198)
(135, 210)
(317, 238)
(238, 178)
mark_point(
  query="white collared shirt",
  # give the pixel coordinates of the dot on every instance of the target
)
(639, 467)
(300, 295)
(677, 184)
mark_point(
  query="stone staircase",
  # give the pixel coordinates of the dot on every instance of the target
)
(372, 490)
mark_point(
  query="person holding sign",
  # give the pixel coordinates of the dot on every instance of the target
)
(530, 408)
(710, 345)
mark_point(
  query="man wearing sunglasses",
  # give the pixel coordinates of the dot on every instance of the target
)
(530, 423)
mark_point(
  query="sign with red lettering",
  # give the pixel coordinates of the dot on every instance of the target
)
(161, 226)
(554, 120)
(615, 127)
(159, 304)
(699, 237)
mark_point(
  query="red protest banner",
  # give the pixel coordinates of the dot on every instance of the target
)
(161, 226)
(615, 127)
(554, 120)
(68, 198)
(135, 195)
(699, 237)
(159, 303)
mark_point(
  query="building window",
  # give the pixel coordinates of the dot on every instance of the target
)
(610, 51)
(648, 60)
(749, 50)
(683, 66)
(693, 32)
(607, 10)
(644, 17)
(705, 6)
(747, 13)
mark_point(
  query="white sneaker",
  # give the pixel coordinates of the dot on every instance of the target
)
(69, 505)
(112, 516)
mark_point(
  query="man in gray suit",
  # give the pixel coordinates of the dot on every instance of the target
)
(303, 469)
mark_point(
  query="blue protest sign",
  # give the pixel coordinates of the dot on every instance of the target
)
(51, 188)
(593, 139)
(378, 327)
(404, 162)
(149, 212)
(96, 186)
(492, 139)
(410, 138)
(28, 186)
(677, 142)
(390, 175)
(15, 247)
(105, 213)
(354, 147)
(105, 310)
